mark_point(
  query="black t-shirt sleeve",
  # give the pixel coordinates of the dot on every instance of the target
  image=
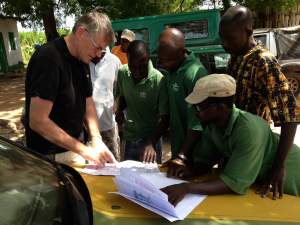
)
(89, 86)
(89, 91)
(45, 77)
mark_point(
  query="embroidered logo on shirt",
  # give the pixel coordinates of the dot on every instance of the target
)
(143, 94)
(175, 87)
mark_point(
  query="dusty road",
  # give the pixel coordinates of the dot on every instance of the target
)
(11, 104)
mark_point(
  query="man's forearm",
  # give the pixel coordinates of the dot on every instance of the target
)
(160, 129)
(40, 122)
(287, 135)
(91, 119)
(212, 187)
(190, 140)
(53, 133)
(120, 104)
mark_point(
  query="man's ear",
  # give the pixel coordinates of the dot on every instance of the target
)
(182, 52)
(80, 32)
(249, 30)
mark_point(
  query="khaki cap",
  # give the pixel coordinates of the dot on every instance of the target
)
(128, 34)
(214, 85)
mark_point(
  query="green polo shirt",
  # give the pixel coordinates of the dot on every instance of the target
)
(180, 84)
(250, 147)
(146, 102)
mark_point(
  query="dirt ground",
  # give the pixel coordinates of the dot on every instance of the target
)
(11, 105)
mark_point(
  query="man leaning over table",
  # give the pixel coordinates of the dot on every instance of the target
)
(59, 93)
(244, 139)
(182, 69)
(262, 88)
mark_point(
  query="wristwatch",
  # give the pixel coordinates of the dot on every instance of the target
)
(182, 157)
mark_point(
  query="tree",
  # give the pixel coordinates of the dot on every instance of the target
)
(51, 13)
(279, 13)
(226, 4)
(33, 14)
(121, 9)
(47, 14)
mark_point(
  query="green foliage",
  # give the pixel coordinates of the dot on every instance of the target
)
(29, 12)
(261, 5)
(30, 39)
(122, 9)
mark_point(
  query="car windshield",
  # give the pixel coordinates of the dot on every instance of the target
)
(29, 189)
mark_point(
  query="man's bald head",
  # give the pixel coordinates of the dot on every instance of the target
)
(238, 16)
(171, 49)
(172, 38)
(236, 30)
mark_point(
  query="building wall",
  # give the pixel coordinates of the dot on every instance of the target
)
(13, 56)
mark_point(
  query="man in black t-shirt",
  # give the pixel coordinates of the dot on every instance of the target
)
(59, 92)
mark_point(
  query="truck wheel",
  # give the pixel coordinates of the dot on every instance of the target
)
(294, 85)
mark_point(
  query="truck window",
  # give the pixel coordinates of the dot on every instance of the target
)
(191, 29)
(200, 29)
(262, 39)
(221, 61)
(140, 34)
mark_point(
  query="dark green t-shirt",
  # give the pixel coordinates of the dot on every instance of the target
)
(250, 147)
(180, 84)
(146, 102)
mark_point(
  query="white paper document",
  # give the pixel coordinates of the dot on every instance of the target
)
(114, 169)
(144, 189)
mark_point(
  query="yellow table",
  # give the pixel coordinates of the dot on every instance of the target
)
(226, 209)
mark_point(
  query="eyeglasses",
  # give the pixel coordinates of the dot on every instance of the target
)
(201, 108)
(98, 48)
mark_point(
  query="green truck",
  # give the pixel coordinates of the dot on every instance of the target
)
(200, 29)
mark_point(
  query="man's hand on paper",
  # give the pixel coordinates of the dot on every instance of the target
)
(176, 192)
(99, 156)
(177, 168)
(98, 153)
(149, 154)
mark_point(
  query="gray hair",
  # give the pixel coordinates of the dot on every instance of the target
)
(95, 22)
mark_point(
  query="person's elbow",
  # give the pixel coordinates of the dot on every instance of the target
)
(38, 122)
(39, 114)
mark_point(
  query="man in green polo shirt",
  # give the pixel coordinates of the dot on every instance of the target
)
(244, 139)
(183, 70)
(141, 91)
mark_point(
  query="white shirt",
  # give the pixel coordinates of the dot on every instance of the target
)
(104, 75)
